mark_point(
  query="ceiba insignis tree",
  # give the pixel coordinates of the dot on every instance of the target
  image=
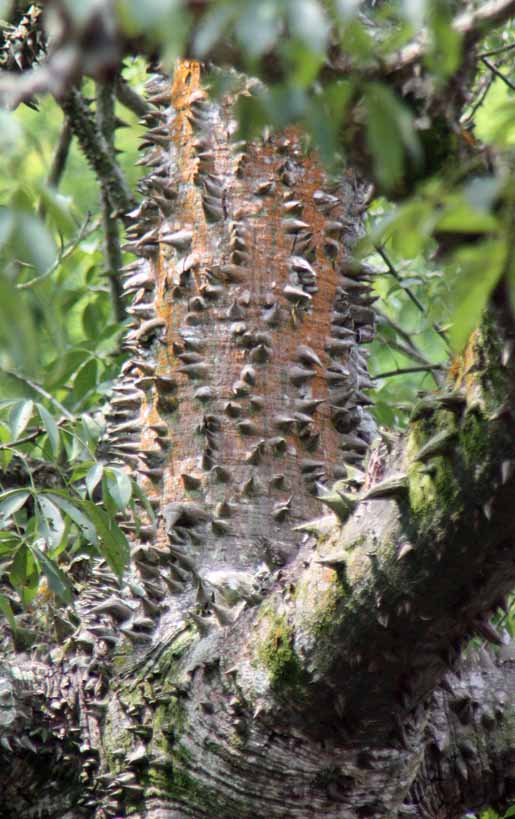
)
(287, 640)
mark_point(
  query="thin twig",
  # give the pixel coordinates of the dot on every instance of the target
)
(393, 272)
(405, 370)
(482, 97)
(105, 116)
(86, 230)
(37, 388)
(498, 73)
(495, 51)
(30, 437)
(407, 347)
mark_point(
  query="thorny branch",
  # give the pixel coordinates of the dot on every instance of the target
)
(105, 116)
(96, 150)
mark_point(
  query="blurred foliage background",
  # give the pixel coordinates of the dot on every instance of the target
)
(439, 234)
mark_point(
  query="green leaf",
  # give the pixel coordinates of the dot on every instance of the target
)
(5, 608)
(70, 508)
(445, 55)
(390, 133)
(460, 216)
(6, 455)
(477, 270)
(86, 379)
(6, 225)
(414, 11)
(308, 22)
(258, 27)
(8, 541)
(138, 493)
(57, 208)
(90, 318)
(120, 487)
(51, 427)
(20, 567)
(93, 477)
(57, 579)
(12, 501)
(33, 242)
(11, 133)
(91, 429)
(211, 28)
(20, 416)
(113, 543)
(52, 524)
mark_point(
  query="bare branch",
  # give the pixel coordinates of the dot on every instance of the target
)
(498, 73)
(405, 370)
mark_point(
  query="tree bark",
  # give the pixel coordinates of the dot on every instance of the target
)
(255, 662)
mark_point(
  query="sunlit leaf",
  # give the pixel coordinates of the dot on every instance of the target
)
(20, 416)
(93, 477)
(308, 22)
(12, 501)
(120, 487)
(258, 26)
(211, 27)
(415, 11)
(477, 270)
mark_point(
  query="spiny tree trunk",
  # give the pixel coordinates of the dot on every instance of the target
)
(250, 308)
(246, 667)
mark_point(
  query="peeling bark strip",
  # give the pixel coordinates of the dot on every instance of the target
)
(249, 306)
